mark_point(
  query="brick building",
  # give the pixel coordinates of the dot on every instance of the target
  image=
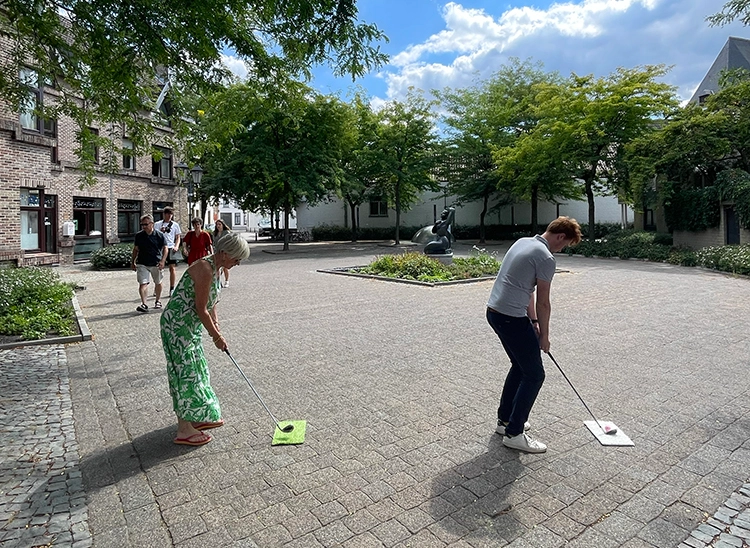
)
(41, 194)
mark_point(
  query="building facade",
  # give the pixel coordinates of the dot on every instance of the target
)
(49, 215)
(427, 210)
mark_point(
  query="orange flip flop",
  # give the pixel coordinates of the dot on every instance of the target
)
(208, 425)
(195, 439)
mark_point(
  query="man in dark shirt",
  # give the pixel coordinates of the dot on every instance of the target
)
(149, 256)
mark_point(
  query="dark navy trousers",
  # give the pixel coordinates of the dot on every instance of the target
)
(526, 374)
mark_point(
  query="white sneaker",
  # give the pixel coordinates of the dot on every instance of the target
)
(501, 427)
(523, 442)
(226, 284)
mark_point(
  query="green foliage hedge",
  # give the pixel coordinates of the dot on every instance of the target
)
(34, 303)
(327, 233)
(112, 256)
(418, 266)
(629, 244)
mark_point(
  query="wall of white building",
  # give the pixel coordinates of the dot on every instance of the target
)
(424, 213)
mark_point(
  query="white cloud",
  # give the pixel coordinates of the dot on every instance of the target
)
(591, 36)
(235, 65)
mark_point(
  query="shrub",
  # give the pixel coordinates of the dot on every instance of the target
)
(112, 256)
(418, 266)
(34, 302)
(727, 258)
(329, 233)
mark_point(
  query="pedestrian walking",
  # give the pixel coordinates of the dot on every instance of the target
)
(172, 234)
(149, 254)
(519, 312)
(197, 242)
(220, 229)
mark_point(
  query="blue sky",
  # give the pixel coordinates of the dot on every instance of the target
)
(437, 44)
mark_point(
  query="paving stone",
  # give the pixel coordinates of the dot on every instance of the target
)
(400, 434)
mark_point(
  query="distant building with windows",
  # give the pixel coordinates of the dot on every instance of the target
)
(47, 216)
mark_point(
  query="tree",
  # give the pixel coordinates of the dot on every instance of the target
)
(287, 149)
(111, 61)
(357, 162)
(678, 165)
(589, 119)
(731, 10)
(404, 153)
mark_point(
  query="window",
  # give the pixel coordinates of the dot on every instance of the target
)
(161, 163)
(238, 218)
(30, 120)
(88, 217)
(128, 155)
(378, 208)
(165, 112)
(158, 210)
(128, 219)
(92, 147)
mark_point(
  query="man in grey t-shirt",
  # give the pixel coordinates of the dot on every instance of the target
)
(518, 311)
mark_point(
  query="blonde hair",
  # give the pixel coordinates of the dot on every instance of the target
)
(233, 245)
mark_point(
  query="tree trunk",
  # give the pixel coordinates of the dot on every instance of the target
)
(353, 208)
(398, 212)
(482, 215)
(287, 214)
(592, 213)
(534, 209)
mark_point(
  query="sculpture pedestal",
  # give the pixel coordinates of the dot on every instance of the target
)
(444, 258)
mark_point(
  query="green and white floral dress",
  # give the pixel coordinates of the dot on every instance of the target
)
(181, 329)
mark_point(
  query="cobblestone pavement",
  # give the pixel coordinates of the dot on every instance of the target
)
(42, 501)
(399, 385)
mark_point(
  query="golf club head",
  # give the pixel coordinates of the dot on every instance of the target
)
(288, 428)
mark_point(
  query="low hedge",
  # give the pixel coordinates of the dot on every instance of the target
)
(327, 232)
(34, 304)
(630, 244)
(112, 256)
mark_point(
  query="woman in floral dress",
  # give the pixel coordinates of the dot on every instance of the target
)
(191, 308)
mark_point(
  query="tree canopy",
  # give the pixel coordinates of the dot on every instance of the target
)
(286, 149)
(110, 60)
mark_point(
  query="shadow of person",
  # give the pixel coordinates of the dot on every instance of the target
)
(62, 487)
(475, 500)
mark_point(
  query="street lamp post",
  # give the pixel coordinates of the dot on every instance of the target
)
(196, 174)
(181, 169)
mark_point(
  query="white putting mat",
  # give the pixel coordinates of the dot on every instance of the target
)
(620, 438)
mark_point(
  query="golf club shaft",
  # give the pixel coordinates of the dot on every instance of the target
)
(253, 389)
(574, 390)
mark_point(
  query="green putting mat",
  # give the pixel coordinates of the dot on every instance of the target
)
(295, 437)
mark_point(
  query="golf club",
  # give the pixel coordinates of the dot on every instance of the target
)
(606, 429)
(288, 427)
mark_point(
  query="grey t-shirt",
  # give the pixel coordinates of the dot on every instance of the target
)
(526, 261)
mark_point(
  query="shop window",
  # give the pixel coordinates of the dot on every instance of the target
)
(128, 217)
(88, 218)
(158, 210)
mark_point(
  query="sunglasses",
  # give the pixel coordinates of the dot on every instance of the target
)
(145, 224)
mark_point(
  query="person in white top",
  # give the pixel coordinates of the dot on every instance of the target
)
(170, 229)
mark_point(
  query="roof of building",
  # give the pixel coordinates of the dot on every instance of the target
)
(735, 54)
